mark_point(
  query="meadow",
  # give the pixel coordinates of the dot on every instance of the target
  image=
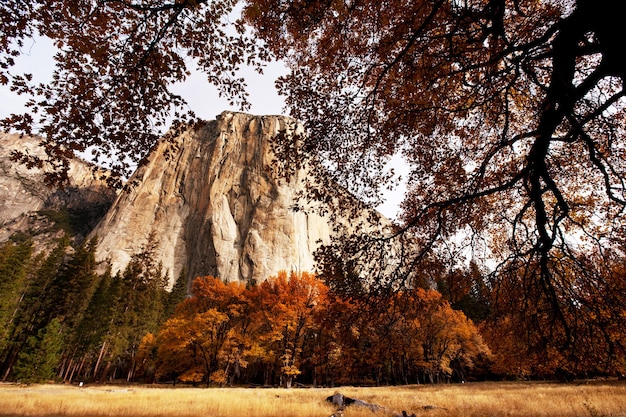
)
(596, 398)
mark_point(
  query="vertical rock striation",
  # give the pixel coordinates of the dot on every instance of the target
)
(212, 207)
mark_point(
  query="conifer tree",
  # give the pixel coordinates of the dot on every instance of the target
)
(37, 362)
(89, 334)
(14, 257)
(74, 284)
(137, 297)
(33, 312)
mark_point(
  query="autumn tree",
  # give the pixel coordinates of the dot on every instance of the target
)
(412, 337)
(450, 343)
(225, 328)
(193, 343)
(521, 352)
(508, 114)
(287, 308)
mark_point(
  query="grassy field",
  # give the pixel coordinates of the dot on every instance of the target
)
(478, 399)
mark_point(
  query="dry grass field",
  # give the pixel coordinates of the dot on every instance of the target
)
(478, 399)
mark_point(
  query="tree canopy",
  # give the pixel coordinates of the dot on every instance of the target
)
(289, 327)
(509, 113)
(110, 94)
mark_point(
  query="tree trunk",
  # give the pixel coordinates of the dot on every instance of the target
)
(102, 350)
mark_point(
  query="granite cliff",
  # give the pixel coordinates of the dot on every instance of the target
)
(208, 202)
(210, 205)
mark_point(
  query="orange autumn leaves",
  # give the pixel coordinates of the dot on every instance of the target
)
(291, 328)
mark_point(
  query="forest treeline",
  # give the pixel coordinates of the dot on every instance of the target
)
(292, 328)
(61, 320)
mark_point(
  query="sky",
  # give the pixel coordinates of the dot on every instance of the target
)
(202, 97)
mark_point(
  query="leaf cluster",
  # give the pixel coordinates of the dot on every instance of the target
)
(111, 96)
(509, 115)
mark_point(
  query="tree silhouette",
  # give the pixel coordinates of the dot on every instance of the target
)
(508, 113)
(116, 61)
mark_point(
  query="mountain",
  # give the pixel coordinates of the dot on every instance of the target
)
(209, 203)
(29, 206)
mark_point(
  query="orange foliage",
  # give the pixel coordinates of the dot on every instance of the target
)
(293, 328)
(592, 311)
(509, 116)
(290, 327)
(202, 326)
(286, 310)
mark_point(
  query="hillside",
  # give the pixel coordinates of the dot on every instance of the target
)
(29, 206)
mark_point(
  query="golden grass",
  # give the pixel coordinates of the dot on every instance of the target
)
(502, 399)
(592, 399)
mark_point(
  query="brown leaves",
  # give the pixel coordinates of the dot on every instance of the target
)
(290, 326)
(510, 115)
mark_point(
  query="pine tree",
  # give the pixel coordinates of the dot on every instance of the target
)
(14, 260)
(37, 362)
(74, 284)
(177, 295)
(140, 297)
(37, 303)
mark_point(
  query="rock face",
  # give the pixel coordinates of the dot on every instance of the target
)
(28, 205)
(207, 203)
(212, 207)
